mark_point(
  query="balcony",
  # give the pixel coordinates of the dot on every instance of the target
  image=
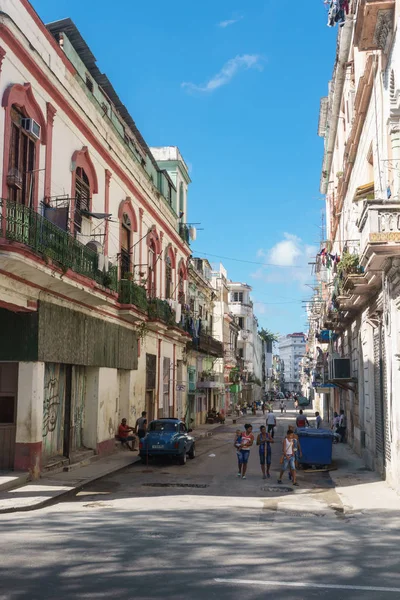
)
(131, 293)
(207, 345)
(211, 380)
(374, 24)
(379, 226)
(184, 232)
(160, 310)
(60, 256)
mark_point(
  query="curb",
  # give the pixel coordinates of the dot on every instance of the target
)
(71, 492)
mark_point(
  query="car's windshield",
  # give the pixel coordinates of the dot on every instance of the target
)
(163, 426)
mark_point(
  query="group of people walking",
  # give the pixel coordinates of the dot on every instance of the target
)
(291, 450)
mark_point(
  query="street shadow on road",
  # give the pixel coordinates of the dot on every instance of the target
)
(152, 550)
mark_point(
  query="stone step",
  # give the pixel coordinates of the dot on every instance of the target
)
(81, 459)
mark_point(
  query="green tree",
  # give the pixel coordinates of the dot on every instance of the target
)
(267, 336)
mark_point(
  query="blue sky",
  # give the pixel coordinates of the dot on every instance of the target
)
(236, 85)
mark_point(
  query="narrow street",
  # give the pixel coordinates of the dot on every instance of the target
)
(198, 531)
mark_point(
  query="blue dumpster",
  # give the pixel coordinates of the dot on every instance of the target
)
(316, 446)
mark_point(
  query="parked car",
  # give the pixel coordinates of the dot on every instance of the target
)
(280, 396)
(167, 437)
(303, 401)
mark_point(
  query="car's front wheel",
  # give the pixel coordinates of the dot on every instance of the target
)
(192, 453)
(182, 458)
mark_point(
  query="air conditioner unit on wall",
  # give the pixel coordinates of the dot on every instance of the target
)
(340, 368)
(32, 127)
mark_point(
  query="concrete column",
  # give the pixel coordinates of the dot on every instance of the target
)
(28, 446)
(91, 408)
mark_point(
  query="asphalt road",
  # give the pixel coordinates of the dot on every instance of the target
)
(198, 532)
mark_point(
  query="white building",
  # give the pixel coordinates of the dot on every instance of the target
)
(360, 315)
(291, 350)
(249, 342)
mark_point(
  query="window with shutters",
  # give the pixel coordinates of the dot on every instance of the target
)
(168, 277)
(181, 287)
(151, 270)
(82, 198)
(21, 164)
(125, 246)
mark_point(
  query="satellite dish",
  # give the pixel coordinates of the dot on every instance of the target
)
(193, 233)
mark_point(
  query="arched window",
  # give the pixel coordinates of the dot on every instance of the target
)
(181, 284)
(24, 131)
(168, 277)
(22, 160)
(126, 228)
(152, 269)
(82, 197)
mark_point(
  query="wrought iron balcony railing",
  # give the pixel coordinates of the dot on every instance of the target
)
(161, 310)
(131, 293)
(184, 232)
(22, 224)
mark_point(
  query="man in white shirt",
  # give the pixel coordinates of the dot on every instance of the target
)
(318, 420)
(271, 423)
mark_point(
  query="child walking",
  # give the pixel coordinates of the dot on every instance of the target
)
(287, 460)
(264, 441)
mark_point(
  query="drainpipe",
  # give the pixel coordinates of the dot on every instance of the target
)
(339, 77)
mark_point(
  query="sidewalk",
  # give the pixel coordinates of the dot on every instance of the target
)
(359, 488)
(51, 487)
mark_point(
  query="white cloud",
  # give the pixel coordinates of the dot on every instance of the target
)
(286, 252)
(227, 73)
(229, 22)
(286, 262)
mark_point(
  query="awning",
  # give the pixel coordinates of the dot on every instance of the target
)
(364, 192)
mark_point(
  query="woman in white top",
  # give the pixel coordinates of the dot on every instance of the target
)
(287, 459)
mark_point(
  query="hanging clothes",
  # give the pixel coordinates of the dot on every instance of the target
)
(337, 12)
(178, 312)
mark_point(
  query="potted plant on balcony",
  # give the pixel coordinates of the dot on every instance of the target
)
(349, 265)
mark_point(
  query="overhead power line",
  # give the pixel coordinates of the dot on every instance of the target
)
(252, 262)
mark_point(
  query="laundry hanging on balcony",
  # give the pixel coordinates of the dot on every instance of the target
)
(338, 9)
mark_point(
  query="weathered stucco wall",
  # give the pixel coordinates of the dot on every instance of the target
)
(67, 336)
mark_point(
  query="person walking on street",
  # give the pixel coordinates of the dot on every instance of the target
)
(263, 407)
(296, 404)
(271, 423)
(296, 448)
(141, 425)
(318, 420)
(282, 406)
(247, 442)
(342, 425)
(237, 444)
(301, 420)
(264, 441)
(287, 459)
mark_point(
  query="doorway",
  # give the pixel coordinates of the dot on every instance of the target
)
(8, 414)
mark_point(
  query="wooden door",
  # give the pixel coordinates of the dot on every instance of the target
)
(77, 412)
(53, 410)
(150, 405)
(8, 414)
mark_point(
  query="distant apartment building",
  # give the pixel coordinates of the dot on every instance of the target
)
(291, 350)
(249, 342)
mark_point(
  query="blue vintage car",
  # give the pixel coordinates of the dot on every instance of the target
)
(167, 437)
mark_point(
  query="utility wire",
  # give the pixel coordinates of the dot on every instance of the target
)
(252, 262)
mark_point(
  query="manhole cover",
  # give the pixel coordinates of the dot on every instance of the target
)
(277, 489)
(176, 485)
